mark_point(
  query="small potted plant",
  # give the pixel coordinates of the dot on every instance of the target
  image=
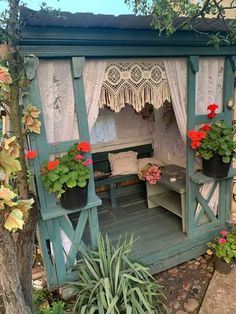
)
(224, 249)
(67, 176)
(215, 144)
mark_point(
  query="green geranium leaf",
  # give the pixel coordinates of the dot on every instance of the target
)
(71, 183)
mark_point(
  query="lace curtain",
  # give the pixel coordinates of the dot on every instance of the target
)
(93, 76)
(58, 104)
(209, 84)
(57, 96)
(176, 72)
(135, 83)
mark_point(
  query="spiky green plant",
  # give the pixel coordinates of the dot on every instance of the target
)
(110, 282)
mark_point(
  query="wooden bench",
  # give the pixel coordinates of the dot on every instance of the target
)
(101, 163)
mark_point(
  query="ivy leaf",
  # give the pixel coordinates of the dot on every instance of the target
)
(14, 220)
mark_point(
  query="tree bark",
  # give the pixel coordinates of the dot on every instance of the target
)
(12, 292)
(25, 248)
(16, 256)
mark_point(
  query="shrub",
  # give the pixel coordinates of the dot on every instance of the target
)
(110, 282)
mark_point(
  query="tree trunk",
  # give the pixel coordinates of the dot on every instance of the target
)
(25, 248)
(12, 292)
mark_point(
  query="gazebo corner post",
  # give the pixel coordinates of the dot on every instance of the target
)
(82, 118)
(192, 69)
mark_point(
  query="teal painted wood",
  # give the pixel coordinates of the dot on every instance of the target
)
(38, 142)
(206, 207)
(112, 51)
(197, 179)
(222, 202)
(67, 227)
(228, 94)
(71, 259)
(57, 210)
(59, 266)
(192, 68)
(93, 226)
(48, 261)
(83, 36)
(81, 110)
(200, 178)
(198, 217)
(58, 252)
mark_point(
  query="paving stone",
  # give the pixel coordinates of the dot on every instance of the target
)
(220, 294)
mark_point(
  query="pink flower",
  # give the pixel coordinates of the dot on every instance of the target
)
(87, 162)
(79, 157)
(153, 174)
(224, 233)
(222, 241)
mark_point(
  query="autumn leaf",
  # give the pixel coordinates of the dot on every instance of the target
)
(27, 120)
(6, 193)
(24, 206)
(32, 111)
(35, 127)
(8, 164)
(14, 220)
(11, 147)
(4, 51)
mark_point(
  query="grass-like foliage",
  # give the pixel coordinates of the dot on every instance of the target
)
(111, 282)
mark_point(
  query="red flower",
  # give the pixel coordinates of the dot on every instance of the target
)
(211, 115)
(195, 135)
(212, 107)
(53, 164)
(31, 154)
(83, 147)
(206, 127)
(195, 144)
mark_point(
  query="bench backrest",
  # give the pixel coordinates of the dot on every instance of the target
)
(101, 162)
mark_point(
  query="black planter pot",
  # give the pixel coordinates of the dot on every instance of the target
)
(215, 167)
(222, 267)
(74, 198)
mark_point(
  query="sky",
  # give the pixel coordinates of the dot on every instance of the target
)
(114, 7)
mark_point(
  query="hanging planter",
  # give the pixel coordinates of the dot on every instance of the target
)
(65, 175)
(215, 143)
(222, 267)
(215, 167)
(74, 198)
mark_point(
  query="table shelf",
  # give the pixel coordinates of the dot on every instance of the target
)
(170, 200)
(57, 210)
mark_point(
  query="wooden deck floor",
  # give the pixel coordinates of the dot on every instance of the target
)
(154, 229)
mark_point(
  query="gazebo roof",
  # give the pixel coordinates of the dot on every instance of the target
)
(90, 20)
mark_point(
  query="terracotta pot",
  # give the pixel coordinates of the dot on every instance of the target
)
(74, 198)
(222, 267)
(215, 167)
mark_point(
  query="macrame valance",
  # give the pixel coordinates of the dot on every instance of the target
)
(134, 83)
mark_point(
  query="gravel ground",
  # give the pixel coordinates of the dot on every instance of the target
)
(184, 285)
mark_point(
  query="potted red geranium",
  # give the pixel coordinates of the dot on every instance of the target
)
(215, 143)
(67, 176)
